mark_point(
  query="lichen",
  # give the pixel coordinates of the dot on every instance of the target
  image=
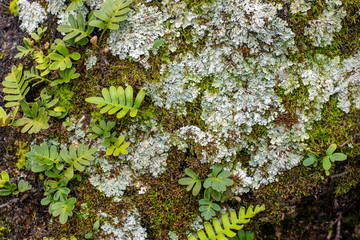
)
(31, 15)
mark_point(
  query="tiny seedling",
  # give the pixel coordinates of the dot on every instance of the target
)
(327, 161)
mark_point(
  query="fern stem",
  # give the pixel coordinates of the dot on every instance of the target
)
(148, 115)
(102, 35)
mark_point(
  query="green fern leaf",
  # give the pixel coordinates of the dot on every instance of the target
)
(65, 76)
(15, 86)
(34, 74)
(111, 13)
(62, 61)
(43, 157)
(78, 158)
(118, 101)
(118, 147)
(63, 209)
(235, 222)
(37, 121)
(76, 31)
(5, 119)
(75, 4)
(24, 51)
(45, 100)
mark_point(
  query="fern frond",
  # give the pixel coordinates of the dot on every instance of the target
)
(15, 86)
(78, 158)
(118, 147)
(43, 157)
(37, 121)
(235, 222)
(118, 101)
(76, 31)
(34, 74)
(111, 13)
(5, 119)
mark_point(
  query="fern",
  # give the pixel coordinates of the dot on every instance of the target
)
(101, 130)
(15, 86)
(25, 51)
(112, 12)
(75, 4)
(217, 231)
(63, 209)
(118, 101)
(34, 74)
(77, 158)
(76, 32)
(63, 60)
(66, 76)
(5, 119)
(118, 147)
(45, 100)
(44, 63)
(37, 121)
(44, 158)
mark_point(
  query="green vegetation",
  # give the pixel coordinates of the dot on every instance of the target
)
(11, 188)
(111, 13)
(47, 159)
(36, 120)
(329, 159)
(215, 186)
(242, 235)
(218, 230)
(7, 119)
(116, 99)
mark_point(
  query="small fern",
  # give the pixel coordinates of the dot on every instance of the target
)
(37, 121)
(112, 12)
(15, 86)
(5, 119)
(23, 52)
(63, 60)
(118, 101)
(77, 158)
(118, 147)
(235, 222)
(76, 32)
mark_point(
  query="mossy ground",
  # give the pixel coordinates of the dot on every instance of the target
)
(166, 206)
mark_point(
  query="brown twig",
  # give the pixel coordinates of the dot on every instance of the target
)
(346, 142)
(15, 200)
(339, 174)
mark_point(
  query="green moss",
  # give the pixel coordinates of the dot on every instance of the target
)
(23, 148)
(4, 229)
(66, 97)
(13, 7)
(335, 127)
(166, 205)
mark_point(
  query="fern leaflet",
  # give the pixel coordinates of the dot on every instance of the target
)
(118, 101)
(235, 222)
(111, 12)
(15, 86)
(5, 119)
(37, 121)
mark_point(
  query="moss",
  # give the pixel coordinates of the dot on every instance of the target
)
(83, 219)
(23, 148)
(4, 229)
(13, 7)
(166, 205)
(66, 97)
(335, 127)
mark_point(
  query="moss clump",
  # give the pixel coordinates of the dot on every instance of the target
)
(166, 205)
(13, 7)
(335, 127)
